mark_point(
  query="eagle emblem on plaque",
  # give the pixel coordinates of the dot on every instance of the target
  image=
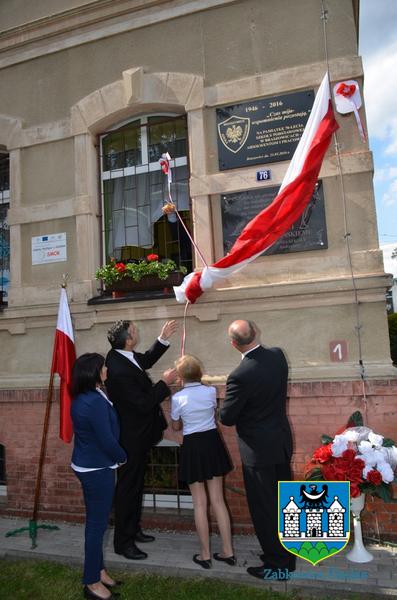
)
(314, 518)
(233, 132)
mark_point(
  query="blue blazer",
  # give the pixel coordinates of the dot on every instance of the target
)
(96, 432)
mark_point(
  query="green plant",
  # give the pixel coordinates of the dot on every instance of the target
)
(392, 319)
(115, 271)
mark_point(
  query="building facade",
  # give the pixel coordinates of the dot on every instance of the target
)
(92, 94)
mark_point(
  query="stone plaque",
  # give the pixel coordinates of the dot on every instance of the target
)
(261, 131)
(309, 232)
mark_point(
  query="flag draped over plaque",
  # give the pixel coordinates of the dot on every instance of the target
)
(275, 220)
(63, 358)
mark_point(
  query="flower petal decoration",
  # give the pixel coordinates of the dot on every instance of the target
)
(339, 445)
(386, 471)
(375, 439)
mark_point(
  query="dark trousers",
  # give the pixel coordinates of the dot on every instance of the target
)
(128, 502)
(98, 491)
(261, 485)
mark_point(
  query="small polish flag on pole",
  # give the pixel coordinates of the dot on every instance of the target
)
(63, 358)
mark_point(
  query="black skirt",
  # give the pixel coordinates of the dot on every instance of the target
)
(203, 456)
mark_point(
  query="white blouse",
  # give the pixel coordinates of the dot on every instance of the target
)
(195, 404)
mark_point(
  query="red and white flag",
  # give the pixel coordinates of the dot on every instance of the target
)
(275, 220)
(63, 359)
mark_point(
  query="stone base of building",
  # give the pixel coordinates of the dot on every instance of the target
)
(314, 408)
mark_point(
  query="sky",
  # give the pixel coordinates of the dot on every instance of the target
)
(378, 48)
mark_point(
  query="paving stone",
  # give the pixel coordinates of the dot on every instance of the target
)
(171, 554)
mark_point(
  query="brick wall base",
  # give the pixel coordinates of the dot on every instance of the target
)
(314, 408)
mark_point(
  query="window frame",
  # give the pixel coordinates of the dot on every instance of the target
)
(145, 167)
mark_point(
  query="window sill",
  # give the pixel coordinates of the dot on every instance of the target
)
(131, 297)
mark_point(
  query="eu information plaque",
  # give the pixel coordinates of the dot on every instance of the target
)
(261, 131)
(309, 232)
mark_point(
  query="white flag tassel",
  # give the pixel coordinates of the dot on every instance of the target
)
(166, 168)
(170, 208)
(347, 99)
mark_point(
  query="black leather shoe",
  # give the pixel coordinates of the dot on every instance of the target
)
(132, 553)
(87, 593)
(143, 537)
(230, 560)
(206, 564)
(269, 574)
(256, 572)
(291, 565)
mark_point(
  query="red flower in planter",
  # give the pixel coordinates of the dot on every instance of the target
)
(374, 477)
(120, 267)
(151, 257)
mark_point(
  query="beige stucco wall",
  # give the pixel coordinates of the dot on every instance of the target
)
(222, 44)
(187, 64)
(47, 172)
(18, 12)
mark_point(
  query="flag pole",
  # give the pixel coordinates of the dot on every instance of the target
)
(33, 527)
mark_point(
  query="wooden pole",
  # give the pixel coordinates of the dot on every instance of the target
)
(43, 448)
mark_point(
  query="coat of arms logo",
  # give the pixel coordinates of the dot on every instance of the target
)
(313, 518)
(233, 132)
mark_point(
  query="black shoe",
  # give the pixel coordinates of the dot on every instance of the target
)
(206, 564)
(143, 537)
(291, 565)
(87, 593)
(230, 560)
(132, 553)
(269, 574)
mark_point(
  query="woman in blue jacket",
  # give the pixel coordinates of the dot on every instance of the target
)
(96, 455)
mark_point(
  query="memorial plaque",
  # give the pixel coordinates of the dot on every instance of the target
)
(309, 232)
(261, 131)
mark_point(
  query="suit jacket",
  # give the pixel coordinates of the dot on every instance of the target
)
(136, 399)
(255, 402)
(96, 432)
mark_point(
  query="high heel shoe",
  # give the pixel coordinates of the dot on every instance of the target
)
(206, 564)
(230, 560)
(93, 596)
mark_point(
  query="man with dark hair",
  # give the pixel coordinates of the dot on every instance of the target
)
(137, 400)
(255, 403)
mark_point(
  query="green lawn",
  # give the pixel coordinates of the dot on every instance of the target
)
(43, 580)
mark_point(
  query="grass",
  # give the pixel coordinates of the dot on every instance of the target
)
(44, 580)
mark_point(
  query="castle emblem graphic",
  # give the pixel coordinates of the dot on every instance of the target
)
(314, 518)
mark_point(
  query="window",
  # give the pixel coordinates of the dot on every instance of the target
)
(134, 189)
(162, 487)
(4, 229)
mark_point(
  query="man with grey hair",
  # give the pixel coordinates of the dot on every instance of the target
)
(137, 400)
(255, 402)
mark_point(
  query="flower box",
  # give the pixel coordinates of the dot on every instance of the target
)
(139, 276)
(146, 283)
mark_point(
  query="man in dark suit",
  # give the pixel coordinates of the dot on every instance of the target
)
(137, 400)
(256, 403)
